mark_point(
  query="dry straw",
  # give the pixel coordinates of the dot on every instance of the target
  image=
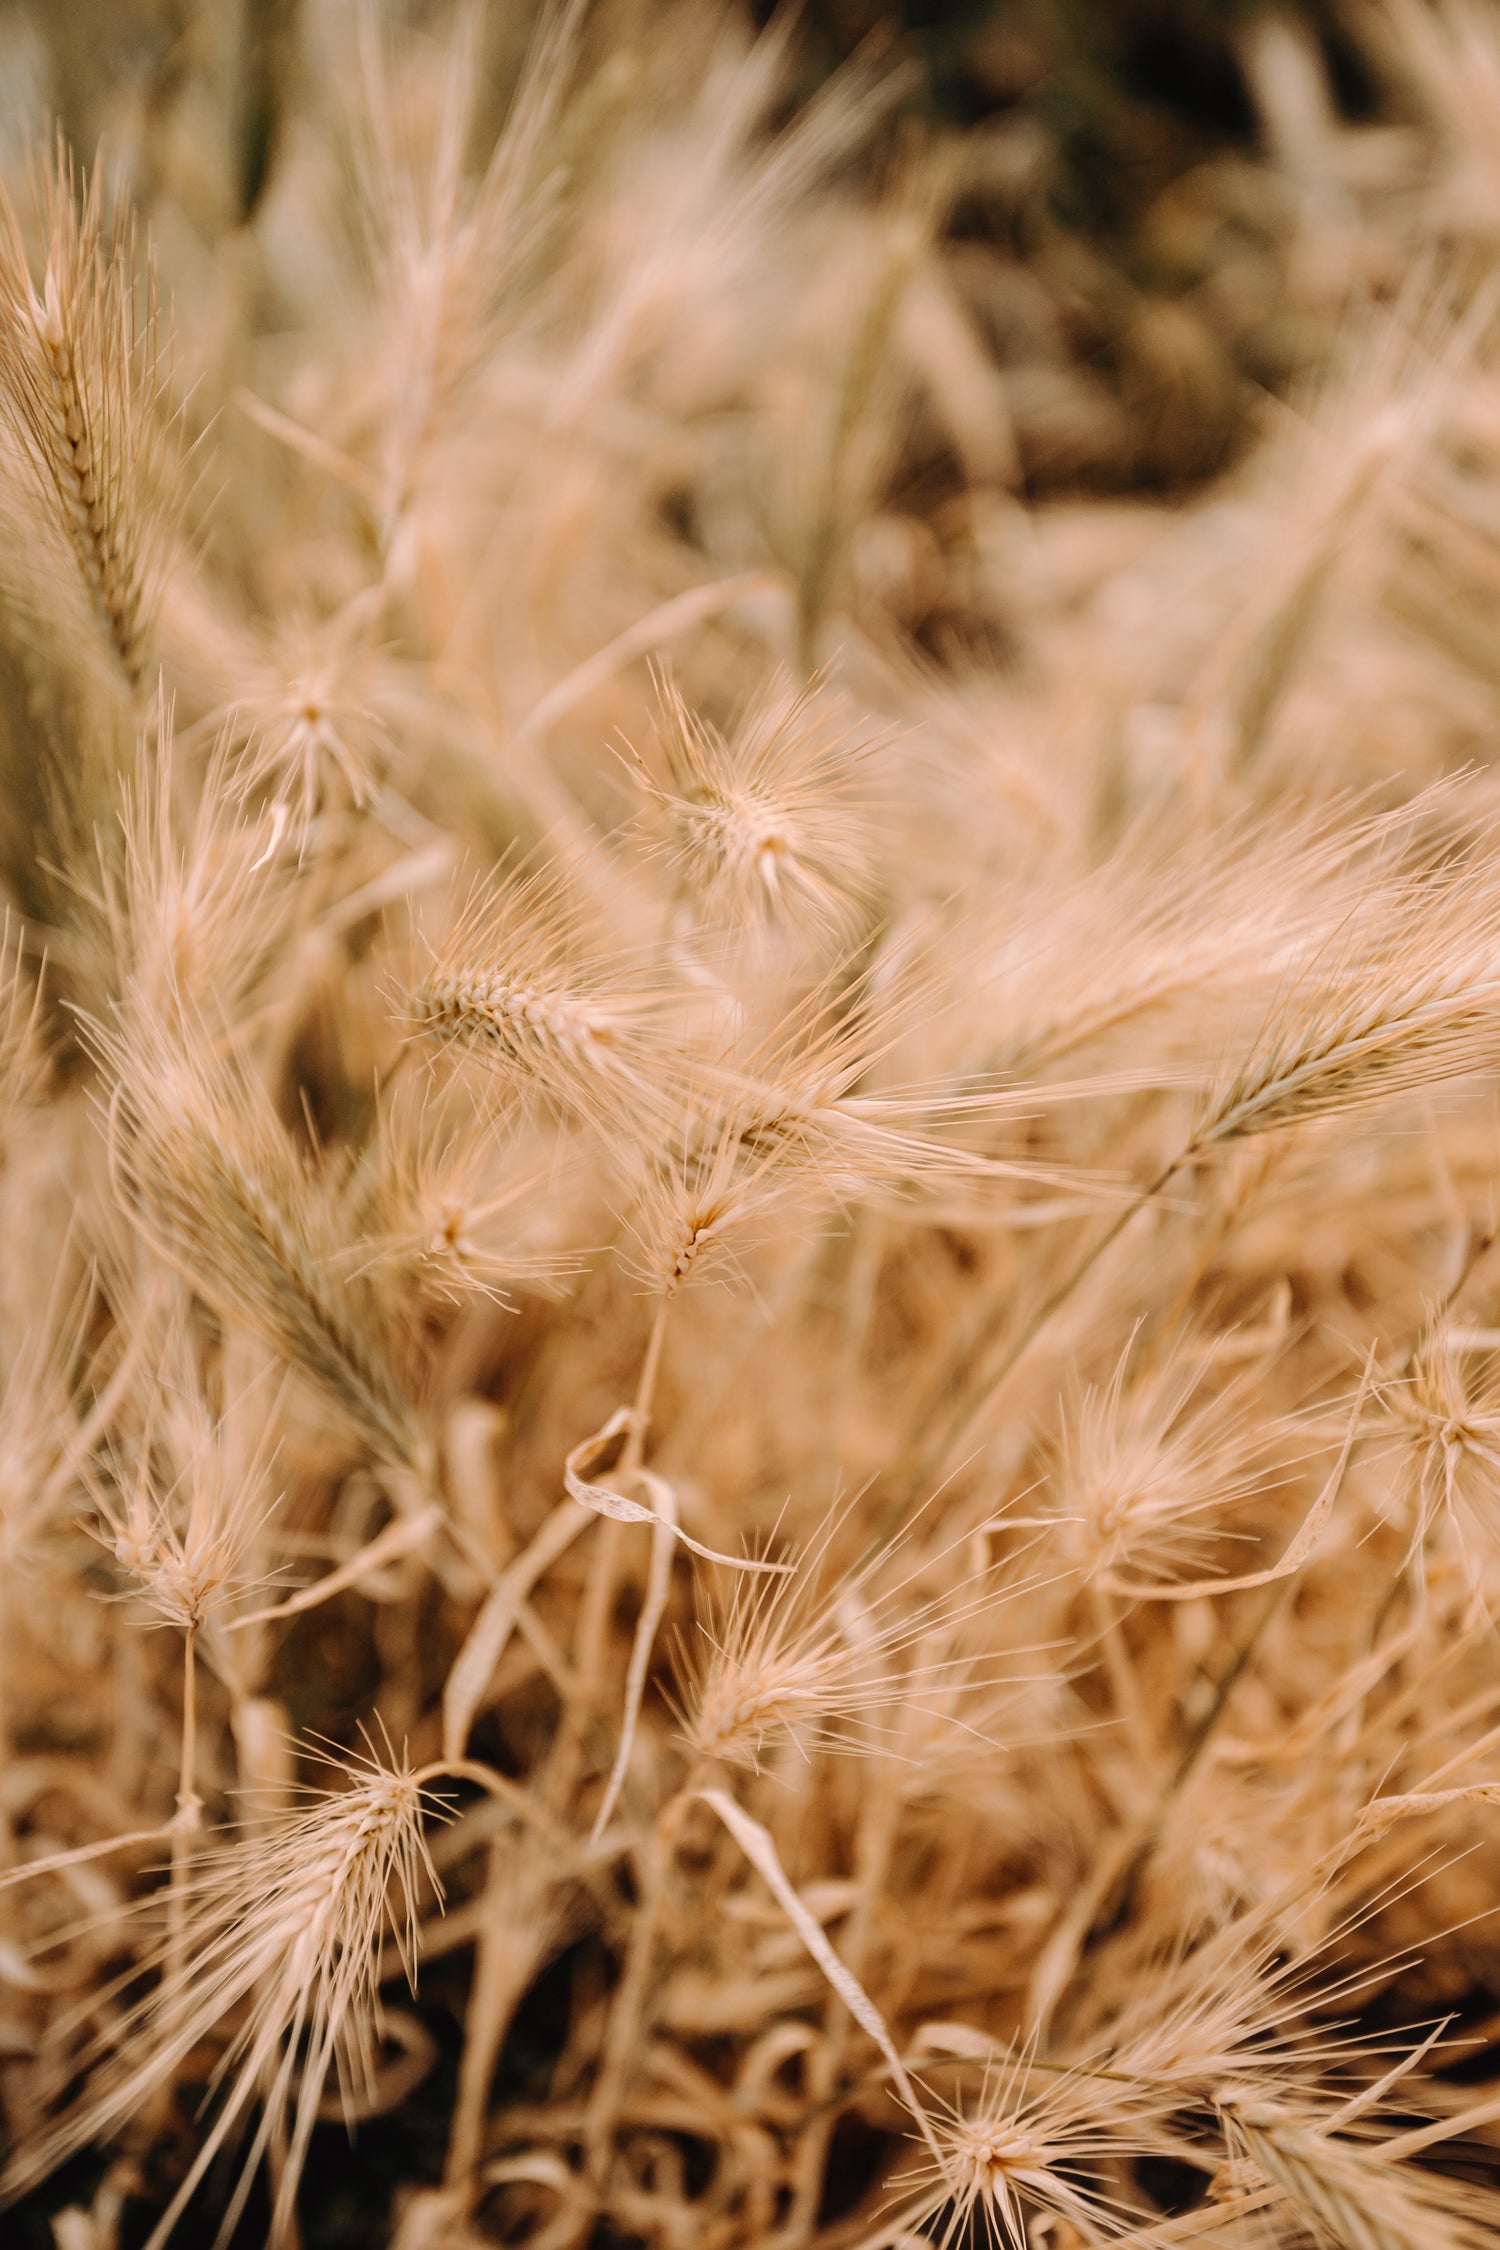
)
(785, 1152)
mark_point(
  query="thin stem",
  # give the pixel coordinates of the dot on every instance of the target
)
(961, 1391)
(626, 2021)
(189, 1810)
(591, 1645)
(7, 1831)
(638, 640)
(81, 1854)
(874, 1843)
(189, 1804)
(1480, 1244)
(645, 1389)
(1117, 1902)
(506, 1958)
(1120, 1670)
(519, 1800)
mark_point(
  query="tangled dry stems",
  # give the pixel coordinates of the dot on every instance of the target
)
(846, 1300)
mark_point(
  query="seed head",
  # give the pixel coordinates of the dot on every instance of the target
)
(280, 1961)
(1028, 2147)
(768, 827)
(521, 985)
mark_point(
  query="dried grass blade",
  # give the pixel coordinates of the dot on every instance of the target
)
(601, 1501)
(648, 633)
(1384, 1812)
(475, 1663)
(664, 1534)
(398, 1539)
(759, 1848)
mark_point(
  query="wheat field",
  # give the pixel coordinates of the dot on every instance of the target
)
(749, 1146)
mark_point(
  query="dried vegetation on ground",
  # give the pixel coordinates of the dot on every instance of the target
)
(749, 1336)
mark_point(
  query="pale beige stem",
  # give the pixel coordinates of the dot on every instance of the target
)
(1120, 1667)
(188, 1815)
(638, 640)
(591, 1646)
(628, 2015)
(872, 1853)
(81, 1854)
(7, 1830)
(645, 1389)
(964, 1386)
(505, 1961)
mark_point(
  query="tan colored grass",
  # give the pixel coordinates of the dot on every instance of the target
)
(782, 1159)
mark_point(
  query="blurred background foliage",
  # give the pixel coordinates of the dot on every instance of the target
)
(1127, 180)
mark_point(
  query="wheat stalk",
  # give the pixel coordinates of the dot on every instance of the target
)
(84, 387)
(849, 1283)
